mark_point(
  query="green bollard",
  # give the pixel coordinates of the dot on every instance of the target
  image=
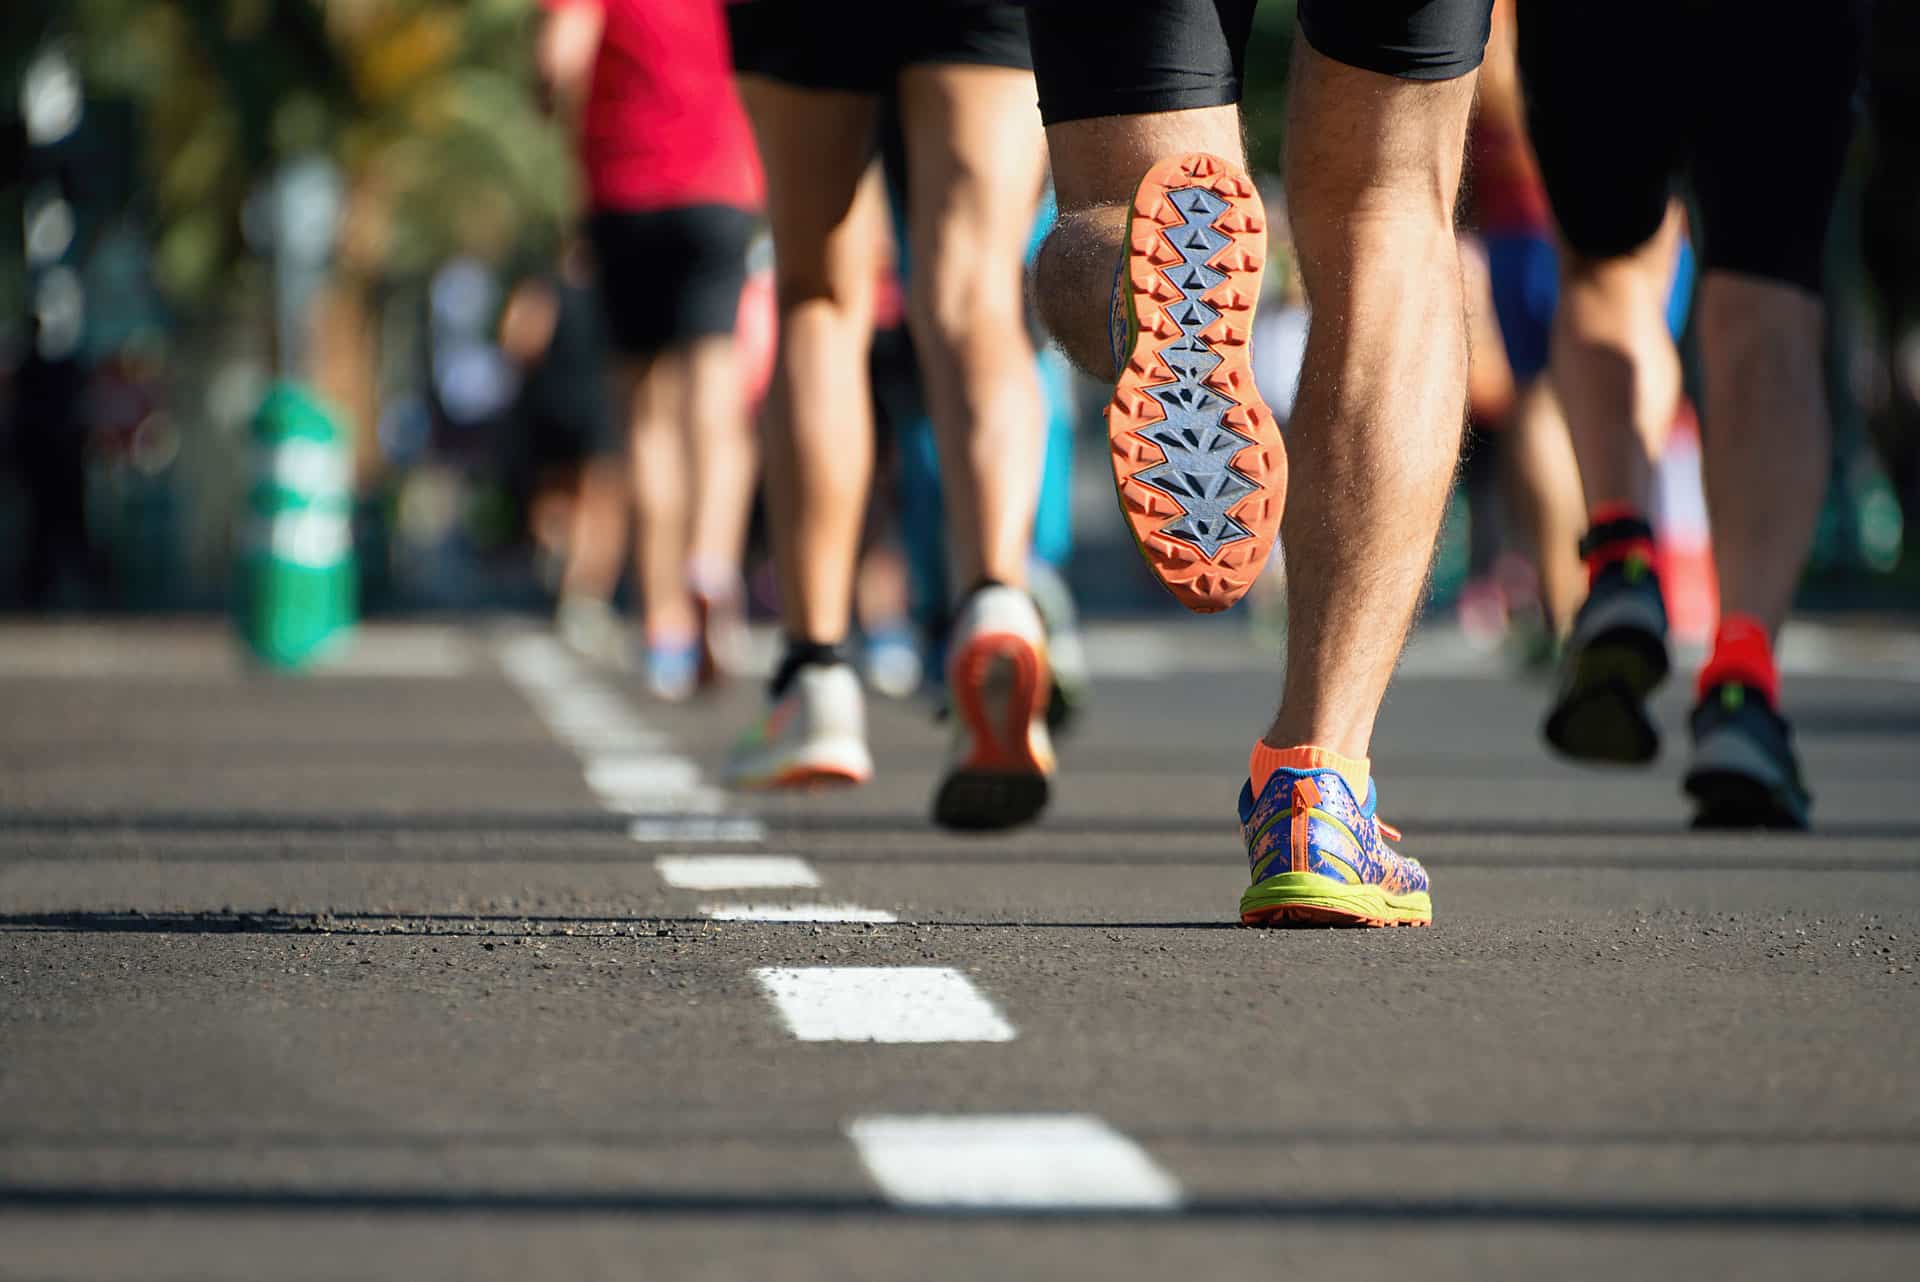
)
(297, 593)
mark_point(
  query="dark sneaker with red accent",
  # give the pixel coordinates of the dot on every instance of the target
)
(1320, 858)
(1197, 457)
(1616, 656)
(1744, 774)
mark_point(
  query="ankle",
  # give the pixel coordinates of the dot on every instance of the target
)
(1742, 653)
(803, 654)
(1616, 533)
(1265, 759)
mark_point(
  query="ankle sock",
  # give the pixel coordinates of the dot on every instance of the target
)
(1742, 652)
(800, 654)
(1615, 532)
(1264, 760)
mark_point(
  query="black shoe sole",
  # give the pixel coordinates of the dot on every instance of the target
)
(1729, 799)
(987, 800)
(1602, 713)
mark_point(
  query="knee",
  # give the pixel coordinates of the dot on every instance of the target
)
(963, 295)
(1760, 330)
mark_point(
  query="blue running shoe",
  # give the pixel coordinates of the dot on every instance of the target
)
(1319, 858)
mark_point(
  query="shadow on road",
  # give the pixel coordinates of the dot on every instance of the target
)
(798, 1205)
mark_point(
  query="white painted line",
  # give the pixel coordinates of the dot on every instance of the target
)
(680, 829)
(1033, 1162)
(536, 662)
(631, 776)
(609, 737)
(668, 803)
(795, 912)
(735, 872)
(883, 1004)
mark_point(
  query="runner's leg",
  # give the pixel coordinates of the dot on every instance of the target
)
(1372, 175)
(829, 231)
(975, 166)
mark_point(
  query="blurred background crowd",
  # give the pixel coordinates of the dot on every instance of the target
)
(374, 200)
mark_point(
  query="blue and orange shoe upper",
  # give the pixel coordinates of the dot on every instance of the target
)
(1308, 821)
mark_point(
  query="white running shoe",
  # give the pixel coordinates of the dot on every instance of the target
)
(997, 673)
(593, 629)
(813, 735)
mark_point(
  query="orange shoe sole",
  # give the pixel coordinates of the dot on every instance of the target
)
(1000, 690)
(1197, 458)
(815, 779)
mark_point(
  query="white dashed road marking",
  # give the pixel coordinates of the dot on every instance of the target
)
(795, 912)
(628, 776)
(735, 872)
(678, 829)
(883, 1004)
(1016, 1162)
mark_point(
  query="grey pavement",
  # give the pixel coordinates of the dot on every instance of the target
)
(355, 976)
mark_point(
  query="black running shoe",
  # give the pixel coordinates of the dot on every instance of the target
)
(1744, 774)
(1616, 655)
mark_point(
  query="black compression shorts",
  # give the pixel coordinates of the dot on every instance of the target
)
(1132, 57)
(670, 276)
(862, 45)
(1753, 110)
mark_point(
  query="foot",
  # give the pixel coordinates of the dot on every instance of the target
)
(592, 629)
(814, 734)
(1002, 761)
(1066, 651)
(675, 671)
(1197, 457)
(891, 658)
(1319, 858)
(1616, 656)
(723, 631)
(1744, 774)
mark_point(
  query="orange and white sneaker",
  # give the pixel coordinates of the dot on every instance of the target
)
(813, 735)
(1002, 761)
(1197, 457)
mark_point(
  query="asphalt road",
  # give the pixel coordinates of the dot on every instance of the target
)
(382, 973)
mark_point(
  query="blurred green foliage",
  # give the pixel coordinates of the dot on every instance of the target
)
(427, 106)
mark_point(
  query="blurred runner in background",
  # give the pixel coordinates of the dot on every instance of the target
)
(1508, 208)
(814, 78)
(1754, 107)
(674, 190)
(574, 468)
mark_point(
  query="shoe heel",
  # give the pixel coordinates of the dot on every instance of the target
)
(999, 684)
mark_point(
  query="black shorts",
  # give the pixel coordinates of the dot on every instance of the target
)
(862, 45)
(1753, 112)
(669, 276)
(1131, 57)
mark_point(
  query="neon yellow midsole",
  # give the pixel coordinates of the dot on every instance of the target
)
(1311, 890)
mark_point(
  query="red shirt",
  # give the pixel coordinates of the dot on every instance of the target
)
(663, 126)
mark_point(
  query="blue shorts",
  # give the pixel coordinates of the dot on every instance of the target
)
(1526, 287)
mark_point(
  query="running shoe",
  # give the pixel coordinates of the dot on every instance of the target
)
(1319, 858)
(593, 629)
(891, 659)
(1744, 774)
(1067, 662)
(1002, 760)
(722, 623)
(1616, 656)
(674, 669)
(1197, 457)
(814, 734)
